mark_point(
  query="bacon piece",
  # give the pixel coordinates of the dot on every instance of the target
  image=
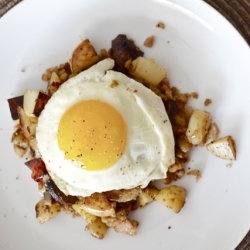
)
(38, 169)
(122, 51)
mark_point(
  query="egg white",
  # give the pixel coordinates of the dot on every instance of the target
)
(150, 144)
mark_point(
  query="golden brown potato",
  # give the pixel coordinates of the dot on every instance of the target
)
(83, 57)
(183, 144)
(223, 148)
(87, 216)
(198, 127)
(147, 71)
(19, 139)
(27, 123)
(29, 101)
(173, 197)
(213, 132)
(147, 195)
(97, 228)
(19, 150)
(121, 215)
(45, 212)
(97, 204)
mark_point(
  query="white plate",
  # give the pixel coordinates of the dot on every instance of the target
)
(201, 51)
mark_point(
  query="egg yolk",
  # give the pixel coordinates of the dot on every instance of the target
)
(94, 133)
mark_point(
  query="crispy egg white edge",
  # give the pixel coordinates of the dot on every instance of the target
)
(88, 182)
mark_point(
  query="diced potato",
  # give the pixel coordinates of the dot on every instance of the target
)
(198, 127)
(45, 212)
(97, 204)
(19, 139)
(87, 216)
(54, 78)
(19, 150)
(183, 144)
(147, 195)
(97, 228)
(27, 123)
(121, 215)
(213, 132)
(147, 71)
(83, 57)
(173, 197)
(29, 100)
(223, 148)
(123, 195)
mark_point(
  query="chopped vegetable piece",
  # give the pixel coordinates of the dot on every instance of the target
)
(45, 212)
(173, 197)
(147, 71)
(98, 204)
(198, 127)
(223, 148)
(83, 57)
(29, 101)
(97, 228)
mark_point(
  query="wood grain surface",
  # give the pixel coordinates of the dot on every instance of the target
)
(236, 11)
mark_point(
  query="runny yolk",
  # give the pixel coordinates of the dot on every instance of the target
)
(93, 133)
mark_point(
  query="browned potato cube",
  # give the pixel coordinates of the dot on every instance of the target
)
(29, 101)
(147, 195)
(27, 123)
(19, 139)
(19, 150)
(184, 145)
(83, 57)
(223, 148)
(173, 197)
(97, 228)
(97, 204)
(45, 212)
(147, 71)
(198, 127)
(87, 216)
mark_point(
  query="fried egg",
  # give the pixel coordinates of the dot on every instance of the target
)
(103, 131)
